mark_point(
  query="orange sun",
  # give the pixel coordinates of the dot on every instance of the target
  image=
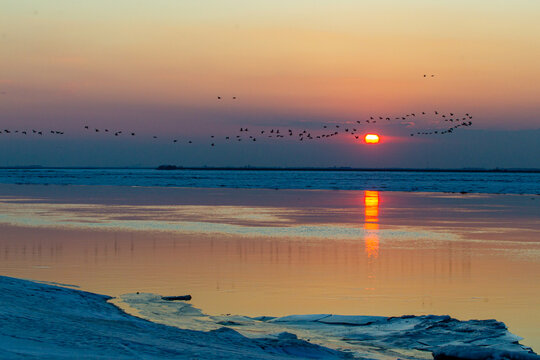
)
(371, 139)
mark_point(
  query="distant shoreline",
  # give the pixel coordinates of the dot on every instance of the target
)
(173, 167)
(256, 168)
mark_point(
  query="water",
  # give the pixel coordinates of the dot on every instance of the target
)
(266, 252)
(470, 182)
(384, 243)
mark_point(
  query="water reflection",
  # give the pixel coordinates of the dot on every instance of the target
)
(371, 223)
(279, 274)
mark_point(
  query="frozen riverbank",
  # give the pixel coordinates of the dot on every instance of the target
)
(47, 322)
(44, 321)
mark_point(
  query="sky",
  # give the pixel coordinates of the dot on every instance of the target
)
(157, 67)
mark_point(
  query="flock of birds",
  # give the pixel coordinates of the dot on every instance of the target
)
(444, 123)
(441, 124)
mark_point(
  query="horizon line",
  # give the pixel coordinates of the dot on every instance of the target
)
(168, 167)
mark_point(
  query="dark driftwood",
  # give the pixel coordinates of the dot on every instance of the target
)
(174, 298)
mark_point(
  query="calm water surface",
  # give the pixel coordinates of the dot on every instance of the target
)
(266, 252)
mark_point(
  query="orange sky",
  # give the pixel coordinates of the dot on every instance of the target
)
(323, 61)
(339, 58)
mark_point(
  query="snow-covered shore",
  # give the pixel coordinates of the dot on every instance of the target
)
(47, 322)
(50, 322)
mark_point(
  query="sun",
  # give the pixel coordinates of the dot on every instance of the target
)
(372, 139)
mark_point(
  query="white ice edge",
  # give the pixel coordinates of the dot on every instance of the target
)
(44, 321)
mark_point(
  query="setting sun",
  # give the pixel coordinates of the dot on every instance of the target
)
(372, 139)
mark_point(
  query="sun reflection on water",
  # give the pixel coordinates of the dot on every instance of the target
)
(371, 223)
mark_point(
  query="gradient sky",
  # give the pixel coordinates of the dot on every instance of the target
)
(156, 67)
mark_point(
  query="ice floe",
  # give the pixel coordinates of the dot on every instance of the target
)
(372, 337)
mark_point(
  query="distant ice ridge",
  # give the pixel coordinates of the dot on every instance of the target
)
(366, 337)
(471, 182)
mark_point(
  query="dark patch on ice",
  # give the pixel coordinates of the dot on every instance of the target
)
(177, 298)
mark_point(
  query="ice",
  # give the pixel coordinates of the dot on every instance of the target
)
(437, 181)
(375, 337)
(478, 353)
(445, 337)
(49, 322)
(301, 318)
(39, 321)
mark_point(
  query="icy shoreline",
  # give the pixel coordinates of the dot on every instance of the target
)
(45, 321)
(48, 322)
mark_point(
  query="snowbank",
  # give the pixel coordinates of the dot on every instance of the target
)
(47, 322)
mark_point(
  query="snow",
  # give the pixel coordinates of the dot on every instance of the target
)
(373, 337)
(49, 322)
(440, 335)
(46, 322)
(478, 353)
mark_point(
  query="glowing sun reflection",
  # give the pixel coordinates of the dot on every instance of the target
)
(371, 223)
